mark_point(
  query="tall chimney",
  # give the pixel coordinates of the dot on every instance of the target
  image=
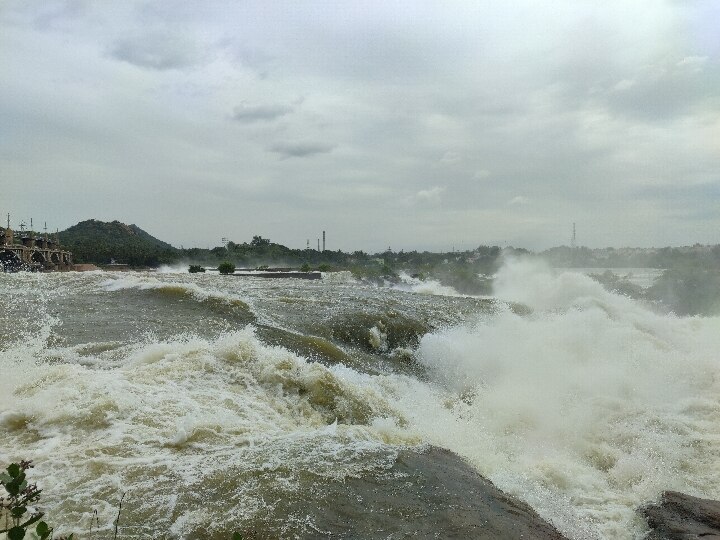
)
(323, 240)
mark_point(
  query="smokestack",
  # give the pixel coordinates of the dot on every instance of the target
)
(323, 240)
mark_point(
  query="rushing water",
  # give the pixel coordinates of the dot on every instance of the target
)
(217, 402)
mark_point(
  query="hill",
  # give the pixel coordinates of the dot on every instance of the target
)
(99, 242)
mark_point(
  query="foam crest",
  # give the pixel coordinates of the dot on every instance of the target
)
(192, 290)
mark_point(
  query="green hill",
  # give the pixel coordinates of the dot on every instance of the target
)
(99, 242)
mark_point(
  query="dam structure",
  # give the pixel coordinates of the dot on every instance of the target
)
(33, 252)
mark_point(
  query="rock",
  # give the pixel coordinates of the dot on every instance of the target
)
(682, 517)
(430, 494)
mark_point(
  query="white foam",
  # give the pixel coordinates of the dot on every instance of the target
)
(587, 408)
(426, 286)
(174, 412)
(177, 268)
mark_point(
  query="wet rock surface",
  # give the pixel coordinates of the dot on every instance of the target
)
(682, 517)
(431, 494)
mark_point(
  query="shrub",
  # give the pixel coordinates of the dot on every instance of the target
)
(324, 267)
(14, 512)
(305, 267)
(195, 268)
(226, 268)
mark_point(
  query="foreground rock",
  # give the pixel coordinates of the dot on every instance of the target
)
(682, 517)
(432, 494)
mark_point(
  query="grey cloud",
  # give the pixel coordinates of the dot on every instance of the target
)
(259, 113)
(69, 9)
(665, 91)
(492, 121)
(158, 51)
(300, 149)
(253, 58)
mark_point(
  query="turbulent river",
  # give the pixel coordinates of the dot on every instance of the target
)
(221, 403)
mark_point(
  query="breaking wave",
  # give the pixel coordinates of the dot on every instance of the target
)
(191, 289)
(242, 422)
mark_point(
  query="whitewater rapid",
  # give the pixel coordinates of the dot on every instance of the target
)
(587, 408)
(583, 403)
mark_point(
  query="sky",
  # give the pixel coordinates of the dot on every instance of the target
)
(404, 124)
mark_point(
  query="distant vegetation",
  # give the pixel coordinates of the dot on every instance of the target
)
(666, 257)
(684, 290)
(689, 285)
(99, 242)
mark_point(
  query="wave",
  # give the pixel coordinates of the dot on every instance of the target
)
(247, 421)
(191, 290)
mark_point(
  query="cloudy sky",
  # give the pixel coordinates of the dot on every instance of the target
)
(410, 124)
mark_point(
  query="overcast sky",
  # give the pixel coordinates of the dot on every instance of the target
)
(415, 125)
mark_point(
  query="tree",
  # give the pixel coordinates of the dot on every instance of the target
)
(226, 268)
(258, 241)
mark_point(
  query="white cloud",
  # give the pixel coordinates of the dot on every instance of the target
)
(694, 63)
(451, 157)
(519, 201)
(624, 84)
(432, 196)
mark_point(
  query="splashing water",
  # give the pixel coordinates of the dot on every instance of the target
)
(427, 286)
(587, 408)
